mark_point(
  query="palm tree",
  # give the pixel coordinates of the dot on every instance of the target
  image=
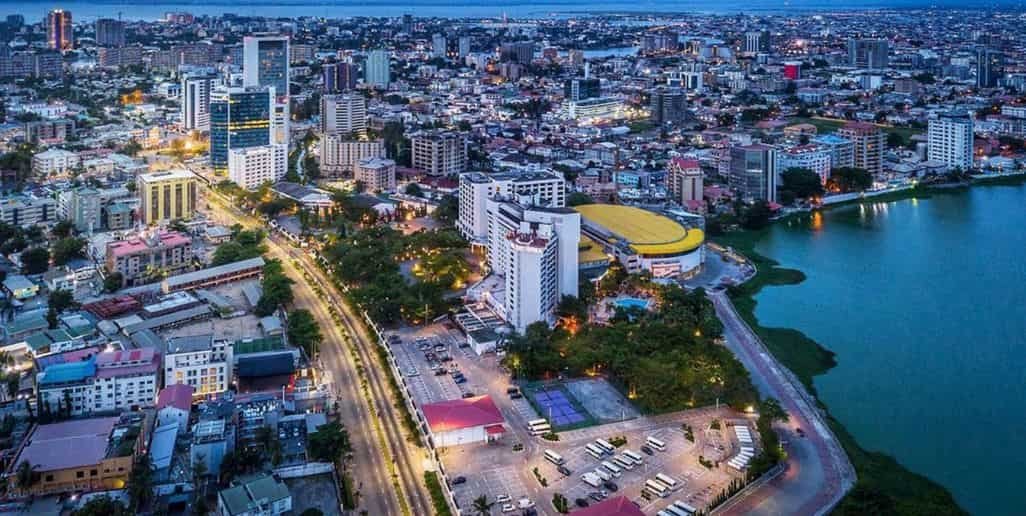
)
(482, 506)
(26, 475)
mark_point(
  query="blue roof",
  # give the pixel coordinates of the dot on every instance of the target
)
(830, 138)
(69, 372)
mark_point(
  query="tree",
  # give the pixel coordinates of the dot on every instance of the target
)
(67, 249)
(277, 289)
(61, 300)
(850, 179)
(312, 511)
(62, 229)
(35, 260)
(140, 483)
(755, 216)
(803, 182)
(113, 281)
(329, 442)
(51, 318)
(102, 506)
(25, 475)
(304, 331)
(414, 190)
(895, 140)
(578, 198)
(447, 210)
(482, 506)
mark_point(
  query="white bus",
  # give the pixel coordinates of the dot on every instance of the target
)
(624, 462)
(665, 513)
(595, 454)
(667, 481)
(606, 477)
(553, 457)
(656, 488)
(675, 511)
(656, 443)
(536, 422)
(604, 444)
(540, 429)
(592, 447)
(685, 507)
(633, 456)
(612, 468)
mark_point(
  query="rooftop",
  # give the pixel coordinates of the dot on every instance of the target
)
(450, 415)
(646, 232)
(617, 506)
(177, 395)
(69, 444)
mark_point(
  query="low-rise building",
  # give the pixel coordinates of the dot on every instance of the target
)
(104, 383)
(53, 162)
(200, 362)
(264, 495)
(26, 211)
(150, 257)
(376, 174)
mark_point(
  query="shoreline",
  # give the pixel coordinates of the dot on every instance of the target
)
(884, 485)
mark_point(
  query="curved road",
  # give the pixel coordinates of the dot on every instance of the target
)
(818, 472)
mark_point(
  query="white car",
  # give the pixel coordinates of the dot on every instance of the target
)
(525, 503)
(508, 507)
(502, 499)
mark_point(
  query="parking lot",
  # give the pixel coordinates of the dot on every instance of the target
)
(498, 470)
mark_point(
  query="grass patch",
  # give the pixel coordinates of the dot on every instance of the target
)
(884, 486)
(829, 125)
(348, 496)
(434, 488)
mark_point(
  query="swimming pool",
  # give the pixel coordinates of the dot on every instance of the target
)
(631, 302)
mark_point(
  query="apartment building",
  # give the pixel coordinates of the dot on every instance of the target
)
(867, 145)
(475, 188)
(250, 167)
(149, 258)
(950, 137)
(340, 155)
(343, 114)
(167, 195)
(439, 153)
(684, 181)
(376, 174)
(107, 382)
(199, 361)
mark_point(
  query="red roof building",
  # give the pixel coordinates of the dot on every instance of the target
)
(463, 421)
(617, 506)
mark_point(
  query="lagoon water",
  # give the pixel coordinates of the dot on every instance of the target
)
(86, 10)
(924, 303)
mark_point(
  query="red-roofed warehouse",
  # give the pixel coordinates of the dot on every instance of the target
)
(471, 420)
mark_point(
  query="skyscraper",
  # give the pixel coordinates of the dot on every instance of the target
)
(338, 77)
(265, 62)
(196, 91)
(110, 32)
(463, 46)
(438, 44)
(753, 173)
(59, 33)
(667, 105)
(684, 180)
(239, 118)
(990, 67)
(867, 143)
(582, 89)
(522, 52)
(757, 41)
(376, 69)
(951, 139)
(343, 114)
(868, 53)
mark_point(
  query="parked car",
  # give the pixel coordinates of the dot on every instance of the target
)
(508, 507)
(581, 502)
(516, 396)
(441, 371)
(564, 470)
(459, 480)
(595, 496)
(610, 485)
(460, 380)
(646, 450)
(503, 499)
(512, 390)
(468, 394)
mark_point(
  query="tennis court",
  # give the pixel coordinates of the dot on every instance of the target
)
(557, 405)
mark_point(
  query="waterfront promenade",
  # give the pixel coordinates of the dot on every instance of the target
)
(818, 471)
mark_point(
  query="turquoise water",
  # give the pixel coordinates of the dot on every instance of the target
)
(632, 302)
(924, 302)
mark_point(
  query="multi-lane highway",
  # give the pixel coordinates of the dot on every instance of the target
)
(387, 468)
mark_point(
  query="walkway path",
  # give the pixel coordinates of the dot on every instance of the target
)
(818, 471)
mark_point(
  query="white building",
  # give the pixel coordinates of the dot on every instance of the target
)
(26, 211)
(376, 69)
(343, 114)
(54, 162)
(594, 110)
(534, 249)
(339, 155)
(439, 153)
(108, 382)
(811, 157)
(476, 188)
(684, 180)
(199, 361)
(951, 140)
(196, 101)
(250, 167)
(280, 128)
(376, 174)
(464, 421)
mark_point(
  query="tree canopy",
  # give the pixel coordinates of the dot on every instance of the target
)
(850, 179)
(35, 260)
(804, 183)
(303, 331)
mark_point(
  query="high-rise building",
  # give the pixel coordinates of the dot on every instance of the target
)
(668, 105)
(535, 252)
(990, 67)
(581, 89)
(868, 53)
(684, 181)
(265, 62)
(842, 150)
(239, 118)
(439, 153)
(438, 45)
(250, 167)
(810, 157)
(343, 114)
(195, 98)
(408, 23)
(338, 77)
(753, 173)
(521, 52)
(280, 118)
(376, 69)
(376, 174)
(167, 195)
(463, 47)
(340, 155)
(60, 35)
(110, 32)
(757, 41)
(867, 145)
(950, 138)
(545, 188)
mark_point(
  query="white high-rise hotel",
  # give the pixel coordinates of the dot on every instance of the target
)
(951, 140)
(476, 188)
(196, 91)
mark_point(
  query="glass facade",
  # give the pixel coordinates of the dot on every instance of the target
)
(239, 118)
(273, 59)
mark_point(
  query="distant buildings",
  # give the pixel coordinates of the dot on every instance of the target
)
(195, 99)
(521, 52)
(842, 150)
(239, 118)
(990, 67)
(166, 196)
(266, 62)
(581, 89)
(250, 167)
(54, 162)
(950, 138)
(757, 41)
(668, 105)
(338, 77)
(376, 69)
(60, 34)
(810, 157)
(753, 172)
(868, 143)
(439, 153)
(110, 32)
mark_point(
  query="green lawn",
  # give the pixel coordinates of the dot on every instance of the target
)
(884, 486)
(829, 125)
